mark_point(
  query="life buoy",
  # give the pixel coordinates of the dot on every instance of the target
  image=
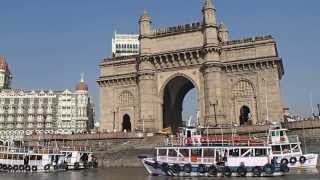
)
(284, 168)
(15, 167)
(293, 160)
(202, 169)
(257, 171)
(27, 168)
(34, 168)
(302, 159)
(242, 171)
(213, 171)
(268, 169)
(76, 165)
(227, 171)
(284, 161)
(176, 168)
(46, 167)
(187, 168)
(21, 167)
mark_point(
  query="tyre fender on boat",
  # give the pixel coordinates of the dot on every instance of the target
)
(284, 168)
(90, 164)
(293, 160)
(202, 169)
(302, 159)
(21, 167)
(95, 164)
(34, 168)
(0, 166)
(188, 168)
(227, 171)
(213, 171)
(27, 168)
(15, 167)
(176, 168)
(284, 161)
(257, 171)
(268, 169)
(4, 167)
(46, 167)
(242, 171)
(9, 167)
(76, 165)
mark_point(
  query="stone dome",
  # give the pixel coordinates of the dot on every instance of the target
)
(82, 86)
(3, 64)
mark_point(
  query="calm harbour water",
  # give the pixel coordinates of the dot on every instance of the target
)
(138, 174)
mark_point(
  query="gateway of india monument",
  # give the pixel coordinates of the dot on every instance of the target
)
(236, 81)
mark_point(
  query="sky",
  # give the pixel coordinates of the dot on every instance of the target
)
(48, 43)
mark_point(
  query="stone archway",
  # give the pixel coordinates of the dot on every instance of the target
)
(245, 115)
(126, 123)
(174, 93)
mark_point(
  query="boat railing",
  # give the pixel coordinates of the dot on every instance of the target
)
(214, 141)
(192, 159)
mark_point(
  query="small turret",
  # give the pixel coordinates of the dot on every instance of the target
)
(145, 24)
(223, 33)
(210, 24)
(209, 13)
(5, 74)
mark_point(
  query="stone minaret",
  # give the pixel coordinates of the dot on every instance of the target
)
(145, 31)
(210, 31)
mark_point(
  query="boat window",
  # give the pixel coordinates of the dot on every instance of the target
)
(162, 152)
(1, 156)
(234, 152)
(208, 152)
(276, 149)
(286, 148)
(172, 153)
(20, 157)
(260, 152)
(295, 148)
(188, 134)
(184, 152)
(281, 133)
(196, 152)
(39, 158)
(246, 152)
(33, 157)
(15, 156)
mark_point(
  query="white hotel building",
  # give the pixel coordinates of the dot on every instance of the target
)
(32, 112)
(125, 44)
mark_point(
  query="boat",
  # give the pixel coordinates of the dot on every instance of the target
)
(31, 159)
(287, 149)
(79, 157)
(193, 154)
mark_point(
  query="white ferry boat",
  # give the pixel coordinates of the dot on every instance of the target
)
(287, 150)
(30, 159)
(193, 154)
(78, 158)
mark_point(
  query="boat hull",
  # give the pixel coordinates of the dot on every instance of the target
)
(310, 162)
(154, 169)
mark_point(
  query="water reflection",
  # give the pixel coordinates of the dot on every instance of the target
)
(140, 174)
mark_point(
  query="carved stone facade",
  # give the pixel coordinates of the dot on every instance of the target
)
(237, 81)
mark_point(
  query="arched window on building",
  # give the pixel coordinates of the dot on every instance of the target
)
(244, 101)
(126, 98)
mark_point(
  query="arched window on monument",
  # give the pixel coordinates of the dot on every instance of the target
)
(126, 98)
(244, 102)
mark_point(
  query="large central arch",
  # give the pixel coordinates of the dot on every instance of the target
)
(174, 93)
